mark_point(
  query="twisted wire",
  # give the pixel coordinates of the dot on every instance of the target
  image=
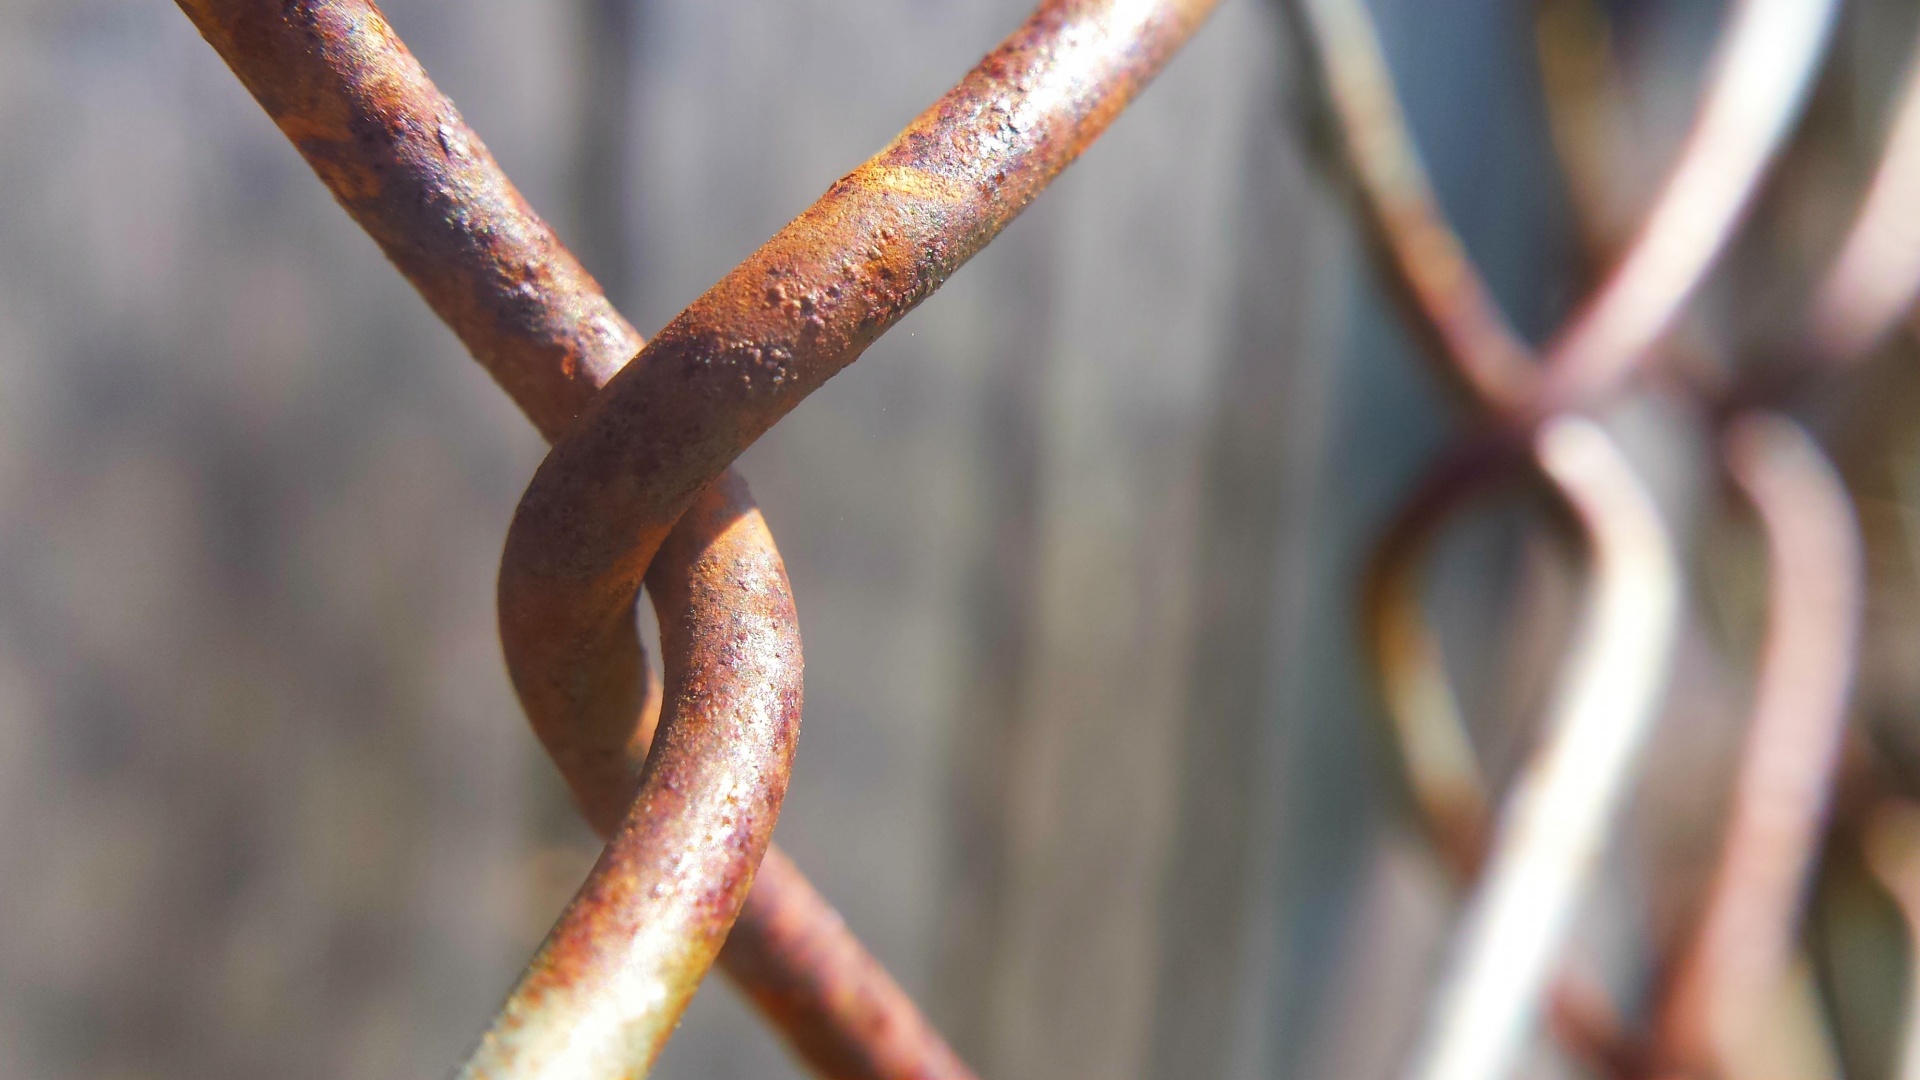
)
(396, 154)
(1741, 943)
(686, 779)
(798, 310)
(1520, 911)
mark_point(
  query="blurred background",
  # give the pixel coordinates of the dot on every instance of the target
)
(1091, 757)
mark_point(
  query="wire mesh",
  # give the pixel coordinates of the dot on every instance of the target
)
(686, 779)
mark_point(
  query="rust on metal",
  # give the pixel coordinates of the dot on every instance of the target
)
(687, 779)
(795, 312)
(794, 968)
(395, 153)
(598, 1000)
(728, 367)
(1443, 775)
(1757, 83)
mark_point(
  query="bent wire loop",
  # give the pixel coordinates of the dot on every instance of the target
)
(638, 490)
(686, 779)
(1744, 938)
(717, 377)
(1764, 65)
(1742, 941)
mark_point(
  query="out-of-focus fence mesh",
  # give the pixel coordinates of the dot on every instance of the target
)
(1660, 745)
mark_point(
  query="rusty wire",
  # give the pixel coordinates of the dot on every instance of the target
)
(1892, 844)
(640, 491)
(1428, 262)
(1760, 75)
(402, 162)
(1509, 938)
(803, 306)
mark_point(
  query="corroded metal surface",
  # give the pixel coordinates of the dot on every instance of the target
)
(394, 151)
(794, 313)
(398, 157)
(638, 491)
(597, 999)
(1892, 844)
(727, 368)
